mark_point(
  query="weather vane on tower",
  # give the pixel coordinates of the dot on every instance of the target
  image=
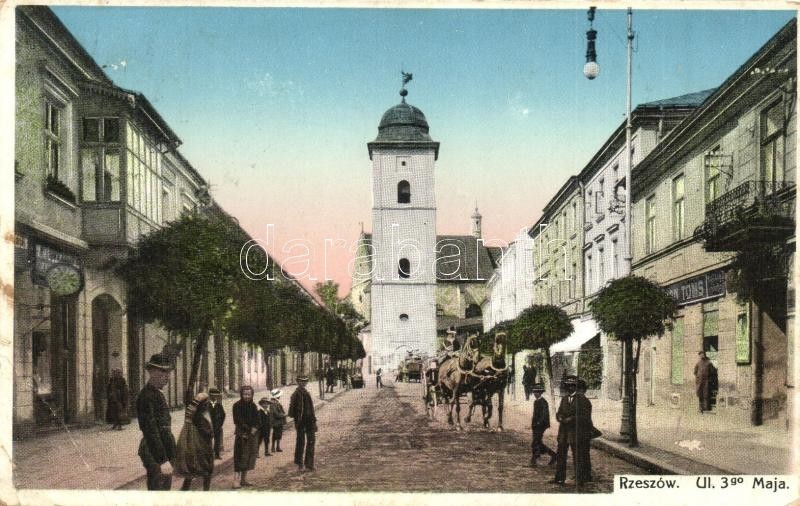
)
(407, 76)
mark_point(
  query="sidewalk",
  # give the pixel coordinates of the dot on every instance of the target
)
(101, 458)
(674, 442)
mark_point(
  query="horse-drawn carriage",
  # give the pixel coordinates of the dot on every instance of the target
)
(450, 376)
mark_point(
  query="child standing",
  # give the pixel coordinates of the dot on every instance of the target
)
(540, 423)
(265, 415)
(278, 417)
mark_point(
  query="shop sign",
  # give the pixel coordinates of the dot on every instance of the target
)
(46, 258)
(705, 286)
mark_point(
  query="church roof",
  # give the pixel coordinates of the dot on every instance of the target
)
(461, 258)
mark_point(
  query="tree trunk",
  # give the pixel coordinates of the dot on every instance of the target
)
(549, 364)
(628, 425)
(302, 363)
(199, 349)
(268, 360)
(219, 360)
(319, 376)
(634, 437)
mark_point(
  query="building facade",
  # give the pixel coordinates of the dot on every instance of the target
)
(713, 209)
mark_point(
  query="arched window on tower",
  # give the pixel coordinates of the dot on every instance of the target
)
(404, 268)
(403, 192)
(473, 311)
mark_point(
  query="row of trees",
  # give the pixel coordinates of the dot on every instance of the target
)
(627, 309)
(188, 276)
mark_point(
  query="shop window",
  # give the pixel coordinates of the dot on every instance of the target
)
(678, 354)
(403, 192)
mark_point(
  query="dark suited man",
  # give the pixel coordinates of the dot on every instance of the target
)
(539, 424)
(157, 448)
(574, 431)
(217, 413)
(301, 408)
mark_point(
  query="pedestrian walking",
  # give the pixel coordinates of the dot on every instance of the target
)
(157, 447)
(194, 457)
(217, 412)
(575, 431)
(245, 446)
(510, 380)
(378, 382)
(330, 379)
(301, 409)
(265, 417)
(278, 416)
(117, 407)
(540, 422)
(528, 379)
(704, 376)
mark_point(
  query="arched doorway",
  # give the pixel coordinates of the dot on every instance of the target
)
(106, 346)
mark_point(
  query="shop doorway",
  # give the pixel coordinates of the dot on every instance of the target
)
(106, 348)
(54, 364)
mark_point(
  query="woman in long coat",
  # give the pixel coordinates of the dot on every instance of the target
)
(195, 450)
(117, 407)
(245, 446)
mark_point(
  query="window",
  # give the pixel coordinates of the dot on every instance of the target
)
(564, 224)
(587, 283)
(100, 160)
(403, 192)
(678, 208)
(168, 210)
(772, 140)
(615, 172)
(614, 259)
(677, 352)
(574, 215)
(439, 310)
(52, 138)
(144, 170)
(601, 270)
(598, 198)
(712, 176)
(404, 268)
(650, 224)
(573, 280)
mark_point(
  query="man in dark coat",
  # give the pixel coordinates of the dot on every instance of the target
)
(158, 444)
(574, 431)
(330, 380)
(704, 373)
(528, 378)
(217, 412)
(117, 407)
(540, 422)
(301, 409)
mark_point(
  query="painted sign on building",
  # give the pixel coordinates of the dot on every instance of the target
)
(698, 288)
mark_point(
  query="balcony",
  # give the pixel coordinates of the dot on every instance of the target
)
(755, 212)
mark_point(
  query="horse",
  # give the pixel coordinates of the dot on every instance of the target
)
(453, 375)
(492, 372)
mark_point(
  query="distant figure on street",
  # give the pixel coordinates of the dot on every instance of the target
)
(528, 379)
(195, 450)
(704, 374)
(117, 408)
(330, 380)
(245, 447)
(574, 431)
(378, 382)
(540, 422)
(301, 409)
(157, 446)
(278, 417)
(265, 416)
(217, 412)
(511, 376)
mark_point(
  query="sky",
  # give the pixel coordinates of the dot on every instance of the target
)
(275, 106)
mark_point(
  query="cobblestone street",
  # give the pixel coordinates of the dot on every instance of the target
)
(382, 441)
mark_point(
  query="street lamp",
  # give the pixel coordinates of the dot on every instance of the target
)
(628, 421)
(591, 69)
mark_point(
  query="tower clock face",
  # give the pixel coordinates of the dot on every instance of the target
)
(64, 279)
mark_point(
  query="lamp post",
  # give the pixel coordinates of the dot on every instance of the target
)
(591, 70)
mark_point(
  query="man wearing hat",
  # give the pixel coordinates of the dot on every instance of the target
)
(158, 444)
(574, 431)
(539, 424)
(301, 409)
(217, 419)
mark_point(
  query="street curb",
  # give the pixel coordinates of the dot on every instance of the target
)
(319, 403)
(652, 464)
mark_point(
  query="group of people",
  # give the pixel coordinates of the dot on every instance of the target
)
(575, 431)
(332, 374)
(200, 441)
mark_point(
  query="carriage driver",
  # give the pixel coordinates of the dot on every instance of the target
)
(451, 345)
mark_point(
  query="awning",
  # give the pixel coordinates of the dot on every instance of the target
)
(583, 331)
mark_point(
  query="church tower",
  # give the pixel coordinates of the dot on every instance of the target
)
(403, 298)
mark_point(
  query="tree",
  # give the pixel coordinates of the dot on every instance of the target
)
(629, 309)
(541, 326)
(185, 276)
